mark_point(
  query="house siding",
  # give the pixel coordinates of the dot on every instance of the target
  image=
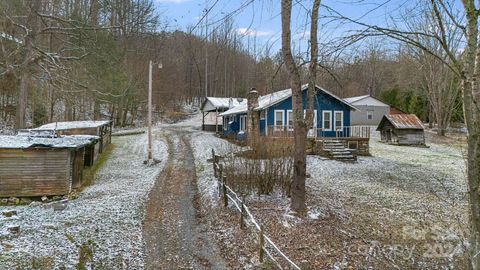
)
(322, 102)
(360, 117)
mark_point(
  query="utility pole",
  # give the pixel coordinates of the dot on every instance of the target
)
(150, 67)
(206, 49)
(150, 157)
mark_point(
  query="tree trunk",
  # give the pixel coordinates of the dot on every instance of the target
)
(312, 69)
(25, 71)
(298, 184)
(22, 100)
(471, 97)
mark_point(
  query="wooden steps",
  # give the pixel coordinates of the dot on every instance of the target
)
(336, 150)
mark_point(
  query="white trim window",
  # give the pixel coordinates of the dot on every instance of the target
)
(279, 118)
(290, 119)
(327, 120)
(338, 120)
(243, 122)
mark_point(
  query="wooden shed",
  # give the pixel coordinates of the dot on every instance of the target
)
(402, 129)
(102, 129)
(37, 166)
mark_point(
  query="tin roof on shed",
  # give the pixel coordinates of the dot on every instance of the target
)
(402, 121)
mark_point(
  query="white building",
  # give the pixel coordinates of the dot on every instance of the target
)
(212, 107)
(370, 110)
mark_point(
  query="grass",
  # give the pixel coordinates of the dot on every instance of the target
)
(90, 172)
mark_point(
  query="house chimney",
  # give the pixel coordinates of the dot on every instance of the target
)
(230, 103)
(252, 99)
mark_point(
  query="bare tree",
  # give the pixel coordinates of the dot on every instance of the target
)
(301, 124)
(465, 66)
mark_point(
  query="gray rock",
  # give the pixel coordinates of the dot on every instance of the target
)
(13, 200)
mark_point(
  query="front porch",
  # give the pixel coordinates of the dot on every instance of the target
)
(353, 138)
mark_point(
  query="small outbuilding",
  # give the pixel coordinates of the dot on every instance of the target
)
(402, 129)
(32, 166)
(102, 129)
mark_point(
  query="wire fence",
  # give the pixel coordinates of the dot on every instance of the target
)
(265, 245)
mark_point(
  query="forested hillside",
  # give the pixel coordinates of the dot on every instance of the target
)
(88, 59)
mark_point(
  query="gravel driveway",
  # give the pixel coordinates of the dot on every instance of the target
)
(174, 232)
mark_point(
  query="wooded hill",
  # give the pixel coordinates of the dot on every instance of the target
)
(88, 59)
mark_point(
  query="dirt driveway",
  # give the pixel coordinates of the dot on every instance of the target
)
(174, 232)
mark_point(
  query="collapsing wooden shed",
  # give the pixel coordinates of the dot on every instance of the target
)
(102, 129)
(402, 129)
(38, 166)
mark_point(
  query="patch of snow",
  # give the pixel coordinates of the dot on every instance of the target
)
(107, 215)
(73, 124)
(60, 142)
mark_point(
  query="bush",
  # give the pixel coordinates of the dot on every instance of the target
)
(261, 169)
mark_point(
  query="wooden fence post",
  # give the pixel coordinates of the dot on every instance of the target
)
(225, 198)
(261, 244)
(220, 171)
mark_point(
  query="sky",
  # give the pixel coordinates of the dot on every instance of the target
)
(260, 20)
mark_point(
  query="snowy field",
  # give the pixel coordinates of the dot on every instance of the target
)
(387, 211)
(103, 225)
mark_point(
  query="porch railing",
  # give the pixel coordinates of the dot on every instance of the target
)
(344, 132)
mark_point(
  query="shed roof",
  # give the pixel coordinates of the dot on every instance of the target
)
(73, 125)
(268, 100)
(222, 102)
(23, 142)
(402, 121)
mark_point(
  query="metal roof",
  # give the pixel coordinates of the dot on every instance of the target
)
(73, 124)
(365, 100)
(354, 99)
(222, 102)
(402, 121)
(268, 100)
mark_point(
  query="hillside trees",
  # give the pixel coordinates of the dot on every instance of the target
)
(445, 19)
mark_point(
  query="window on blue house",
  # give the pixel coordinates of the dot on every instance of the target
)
(338, 120)
(278, 118)
(290, 119)
(327, 120)
(243, 123)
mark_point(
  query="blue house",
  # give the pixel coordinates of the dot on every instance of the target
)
(275, 117)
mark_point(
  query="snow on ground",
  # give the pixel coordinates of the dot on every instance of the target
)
(105, 221)
(386, 199)
(202, 145)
